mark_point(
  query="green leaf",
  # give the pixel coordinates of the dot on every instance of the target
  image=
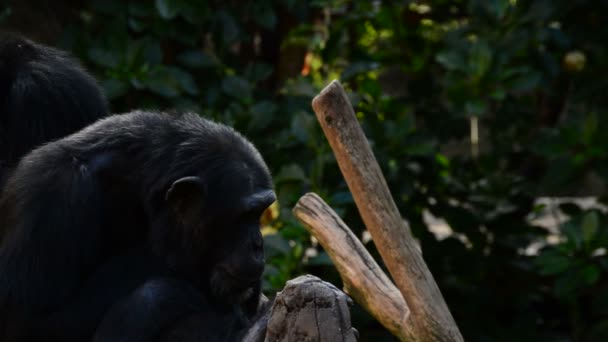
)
(341, 198)
(498, 7)
(480, 59)
(185, 80)
(299, 87)
(301, 124)
(161, 82)
(590, 125)
(591, 222)
(140, 9)
(105, 58)
(451, 60)
(229, 27)
(264, 108)
(475, 107)
(114, 88)
(442, 160)
(266, 17)
(262, 114)
(133, 56)
(291, 172)
(573, 233)
(236, 87)
(591, 274)
(137, 25)
(567, 285)
(553, 262)
(275, 243)
(196, 59)
(256, 72)
(498, 94)
(357, 68)
(163, 88)
(526, 82)
(152, 52)
(321, 259)
(168, 9)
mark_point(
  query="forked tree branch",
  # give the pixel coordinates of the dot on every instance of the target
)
(430, 318)
(363, 279)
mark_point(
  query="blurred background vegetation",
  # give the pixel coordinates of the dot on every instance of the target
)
(485, 115)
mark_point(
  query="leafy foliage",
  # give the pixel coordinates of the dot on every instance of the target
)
(531, 75)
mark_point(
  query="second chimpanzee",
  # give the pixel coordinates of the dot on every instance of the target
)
(44, 95)
(146, 222)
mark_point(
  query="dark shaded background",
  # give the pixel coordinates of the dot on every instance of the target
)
(531, 75)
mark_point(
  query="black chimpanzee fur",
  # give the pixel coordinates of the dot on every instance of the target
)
(141, 227)
(44, 95)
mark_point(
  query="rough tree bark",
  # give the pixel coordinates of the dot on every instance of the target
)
(430, 318)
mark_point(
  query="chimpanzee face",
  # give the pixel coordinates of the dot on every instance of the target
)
(223, 224)
(240, 247)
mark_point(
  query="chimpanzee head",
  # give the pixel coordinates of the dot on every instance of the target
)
(15, 51)
(216, 211)
(44, 95)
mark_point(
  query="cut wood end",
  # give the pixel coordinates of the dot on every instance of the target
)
(309, 198)
(334, 87)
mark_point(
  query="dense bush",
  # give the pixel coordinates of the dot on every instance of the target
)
(530, 75)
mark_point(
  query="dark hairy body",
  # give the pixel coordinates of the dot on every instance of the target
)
(44, 95)
(141, 227)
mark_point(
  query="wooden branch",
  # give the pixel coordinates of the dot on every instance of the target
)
(363, 279)
(430, 318)
(309, 309)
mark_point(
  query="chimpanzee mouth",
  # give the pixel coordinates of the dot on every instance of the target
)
(230, 287)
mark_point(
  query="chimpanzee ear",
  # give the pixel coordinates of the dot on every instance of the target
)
(185, 194)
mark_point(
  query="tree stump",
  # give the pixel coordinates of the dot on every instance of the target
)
(309, 309)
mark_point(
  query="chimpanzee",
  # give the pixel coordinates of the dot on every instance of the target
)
(136, 228)
(44, 95)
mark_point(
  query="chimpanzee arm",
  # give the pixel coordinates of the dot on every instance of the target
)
(170, 309)
(56, 230)
(51, 234)
(112, 282)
